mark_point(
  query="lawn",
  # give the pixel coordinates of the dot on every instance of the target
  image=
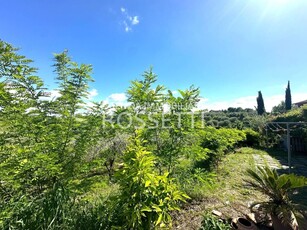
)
(229, 195)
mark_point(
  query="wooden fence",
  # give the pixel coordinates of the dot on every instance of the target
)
(298, 145)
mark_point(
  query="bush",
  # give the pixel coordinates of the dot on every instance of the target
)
(218, 142)
(103, 214)
(293, 115)
(213, 223)
(304, 108)
(252, 138)
(147, 197)
(196, 182)
(278, 188)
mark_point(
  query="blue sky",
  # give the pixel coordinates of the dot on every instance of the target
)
(231, 49)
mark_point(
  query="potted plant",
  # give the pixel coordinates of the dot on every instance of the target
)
(282, 210)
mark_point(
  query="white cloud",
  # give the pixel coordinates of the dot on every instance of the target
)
(54, 94)
(243, 102)
(249, 102)
(119, 99)
(89, 104)
(128, 20)
(135, 20)
(93, 93)
(127, 28)
(299, 97)
(202, 103)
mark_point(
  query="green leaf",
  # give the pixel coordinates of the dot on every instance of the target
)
(159, 219)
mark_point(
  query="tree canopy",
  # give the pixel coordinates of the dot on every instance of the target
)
(288, 101)
(260, 104)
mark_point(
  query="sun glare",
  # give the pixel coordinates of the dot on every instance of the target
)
(276, 8)
(279, 2)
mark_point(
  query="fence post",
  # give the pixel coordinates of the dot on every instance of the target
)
(289, 147)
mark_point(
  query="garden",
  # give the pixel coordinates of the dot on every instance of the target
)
(157, 163)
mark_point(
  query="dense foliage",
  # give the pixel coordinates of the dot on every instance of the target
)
(213, 223)
(67, 165)
(260, 104)
(279, 109)
(298, 128)
(294, 115)
(232, 118)
(288, 100)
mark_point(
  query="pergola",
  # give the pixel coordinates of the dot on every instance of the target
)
(284, 126)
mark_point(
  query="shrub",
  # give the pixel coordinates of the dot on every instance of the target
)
(293, 115)
(213, 223)
(278, 188)
(219, 141)
(103, 214)
(304, 108)
(252, 138)
(147, 197)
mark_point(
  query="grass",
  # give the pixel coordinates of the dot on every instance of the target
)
(229, 194)
(231, 191)
(94, 188)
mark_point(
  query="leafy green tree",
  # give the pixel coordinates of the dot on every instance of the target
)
(167, 138)
(147, 197)
(143, 96)
(43, 142)
(260, 104)
(73, 88)
(279, 109)
(51, 147)
(288, 101)
(24, 153)
(180, 126)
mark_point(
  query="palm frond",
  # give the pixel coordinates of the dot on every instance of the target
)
(277, 188)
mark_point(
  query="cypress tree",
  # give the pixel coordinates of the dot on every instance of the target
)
(260, 104)
(288, 101)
